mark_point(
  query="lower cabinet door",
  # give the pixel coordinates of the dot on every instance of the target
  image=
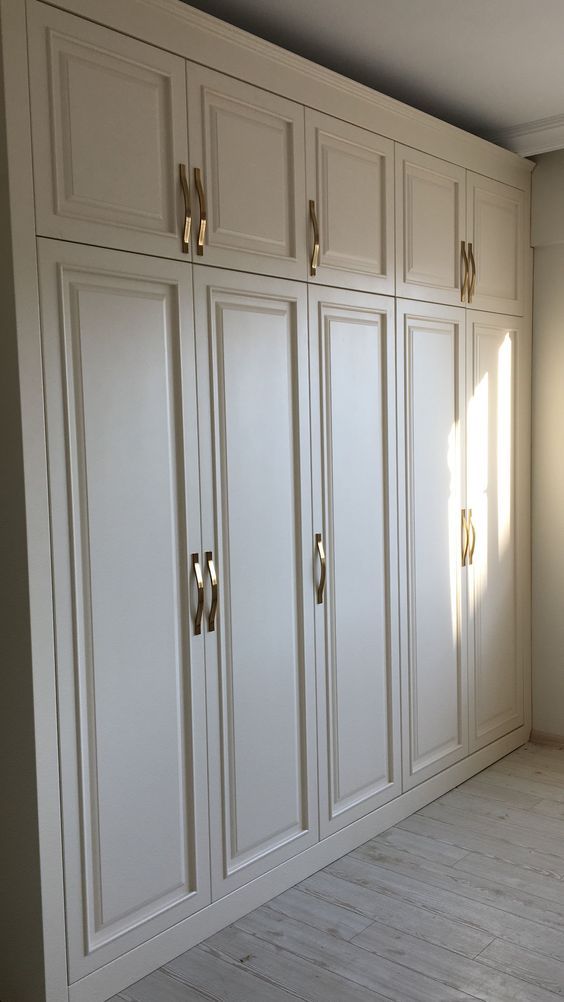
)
(497, 350)
(256, 523)
(431, 416)
(120, 390)
(355, 585)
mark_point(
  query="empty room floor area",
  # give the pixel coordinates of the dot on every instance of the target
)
(463, 900)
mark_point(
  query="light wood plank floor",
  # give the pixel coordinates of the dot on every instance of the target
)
(463, 900)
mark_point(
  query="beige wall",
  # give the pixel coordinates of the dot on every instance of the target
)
(548, 445)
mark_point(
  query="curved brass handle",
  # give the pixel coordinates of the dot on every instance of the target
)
(465, 536)
(323, 562)
(213, 579)
(315, 252)
(472, 288)
(203, 211)
(200, 586)
(473, 543)
(465, 264)
(187, 209)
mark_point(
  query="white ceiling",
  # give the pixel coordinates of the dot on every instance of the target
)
(486, 65)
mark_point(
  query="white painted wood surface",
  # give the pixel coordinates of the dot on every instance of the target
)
(430, 225)
(249, 146)
(354, 479)
(121, 416)
(350, 177)
(496, 677)
(256, 519)
(496, 223)
(431, 437)
(109, 131)
(447, 905)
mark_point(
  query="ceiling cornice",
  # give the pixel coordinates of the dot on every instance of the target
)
(542, 136)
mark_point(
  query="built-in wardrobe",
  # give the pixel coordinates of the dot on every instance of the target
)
(273, 335)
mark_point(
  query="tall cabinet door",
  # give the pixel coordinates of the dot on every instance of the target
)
(431, 394)
(109, 133)
(123, 474)
(430, 228)
(247, 146)
(496, 225)
(256, 510)
(352, 357)
(497, 642)
(350, 180)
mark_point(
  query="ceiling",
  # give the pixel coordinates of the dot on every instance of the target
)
(494, 67)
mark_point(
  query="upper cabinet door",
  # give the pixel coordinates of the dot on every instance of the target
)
(496, 226)
(430, 228)
(256, 523)
(109, 133)
(497, 384)
(350, 181)
(118, 349)
(431, 395)
(248, 147)
(352, 357)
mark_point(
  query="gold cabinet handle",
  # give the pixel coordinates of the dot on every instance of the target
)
(465, 536)
(200, 585)
(187, 209)
(213, 580)
(315, 252)
(323, 562)
(473, 279)
(203, 211)
(464, 290)
(473, 532)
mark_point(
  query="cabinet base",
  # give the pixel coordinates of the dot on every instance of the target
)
(102, 984)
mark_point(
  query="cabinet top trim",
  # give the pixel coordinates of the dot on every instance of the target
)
(192, 34)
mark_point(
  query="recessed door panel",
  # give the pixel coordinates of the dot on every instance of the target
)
(430, 224)
(109, 131)
(496, 229)
(350, 179)
(121, 414)
(249, 146)
(496, 682)
(353, 410)
(431, 342)
(252, 358)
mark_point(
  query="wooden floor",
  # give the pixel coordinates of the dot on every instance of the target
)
(463, 900)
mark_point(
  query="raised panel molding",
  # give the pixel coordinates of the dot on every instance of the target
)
(350, 178)
(249, 146)
(431, 365)
(117, 353)
(109, 129)
(252, 366)
(430, 225)
(496, 220)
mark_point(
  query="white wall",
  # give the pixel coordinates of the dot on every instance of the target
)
(548, 445)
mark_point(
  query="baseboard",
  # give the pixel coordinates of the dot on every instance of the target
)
(134, 965)
(549, 740)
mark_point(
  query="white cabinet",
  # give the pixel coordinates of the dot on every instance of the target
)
(430, 227)
(256, 519)
(123, 469)
(109, 133)
(350, 188)
(352, 361)
(496, 218)
(431, 414)
(497, 350)
(247, 146)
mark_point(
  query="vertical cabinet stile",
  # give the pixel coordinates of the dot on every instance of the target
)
(256, 508)
(352, 377)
